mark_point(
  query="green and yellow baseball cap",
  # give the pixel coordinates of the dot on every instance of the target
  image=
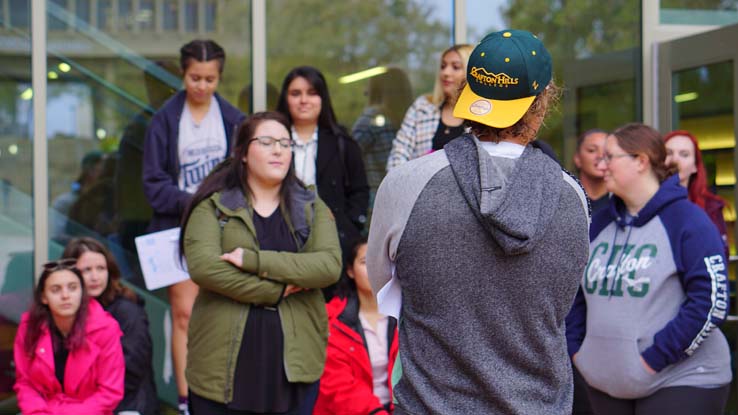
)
(505, 73)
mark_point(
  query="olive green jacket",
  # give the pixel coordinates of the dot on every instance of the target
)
(222, 223)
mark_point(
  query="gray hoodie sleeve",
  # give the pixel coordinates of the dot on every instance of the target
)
(393, 203)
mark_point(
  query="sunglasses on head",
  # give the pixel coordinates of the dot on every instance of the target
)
(64, 263)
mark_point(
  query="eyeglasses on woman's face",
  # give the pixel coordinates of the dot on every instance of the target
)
(607, 157)
(268, 141)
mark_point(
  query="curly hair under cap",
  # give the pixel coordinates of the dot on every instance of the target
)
(523, 129)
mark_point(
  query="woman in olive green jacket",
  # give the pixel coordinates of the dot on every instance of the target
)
(260, 246)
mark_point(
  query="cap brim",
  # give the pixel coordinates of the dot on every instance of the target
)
(495, 113)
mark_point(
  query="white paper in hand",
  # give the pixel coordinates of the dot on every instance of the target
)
(158, 254)
(389, 298)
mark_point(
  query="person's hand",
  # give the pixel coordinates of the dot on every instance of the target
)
(292, 289)
(647, 367)
(235, 257)
(574, 357)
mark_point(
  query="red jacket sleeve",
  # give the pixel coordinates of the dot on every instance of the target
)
(340, 390)
(29, 400)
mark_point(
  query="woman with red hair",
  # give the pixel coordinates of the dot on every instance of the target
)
(683, 151)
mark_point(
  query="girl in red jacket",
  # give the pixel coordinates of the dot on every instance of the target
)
(68, 355)
(362, 347)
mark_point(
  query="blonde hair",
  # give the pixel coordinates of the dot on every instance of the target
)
(464, 52)
(522, 128)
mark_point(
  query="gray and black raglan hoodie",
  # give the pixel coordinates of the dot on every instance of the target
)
(488, 252)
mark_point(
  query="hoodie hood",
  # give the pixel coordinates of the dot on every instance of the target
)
(300, 197)
(669, 192)
(515, 200)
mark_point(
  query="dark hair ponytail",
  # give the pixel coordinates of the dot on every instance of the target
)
(201, 51)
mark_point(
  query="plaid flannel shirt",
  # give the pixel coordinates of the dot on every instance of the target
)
(415, 137)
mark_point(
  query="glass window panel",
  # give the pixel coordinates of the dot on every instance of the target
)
(701, 12)
(703, 105)
(105, 14)
(146, 15)
(191, 16)
(126, 20)
(594, 109)
(579, 36)
(57, 17)
(100, 101)
(211, 10)
(16, 190)
(171, 15)
(83, 10)
(20, 13)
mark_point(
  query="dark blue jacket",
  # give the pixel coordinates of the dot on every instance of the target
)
(161, 159)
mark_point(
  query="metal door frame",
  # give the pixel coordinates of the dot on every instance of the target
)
(707, 48)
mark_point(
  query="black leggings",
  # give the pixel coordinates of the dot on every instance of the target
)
(202, 406)
(677, 400)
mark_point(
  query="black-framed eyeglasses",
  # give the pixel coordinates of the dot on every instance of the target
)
(268, 141)
(64, 263)
(607, 158)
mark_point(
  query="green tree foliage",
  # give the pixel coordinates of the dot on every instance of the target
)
(577, 30)
(353, 35)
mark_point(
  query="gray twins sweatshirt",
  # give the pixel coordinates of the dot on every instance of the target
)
(488, 252)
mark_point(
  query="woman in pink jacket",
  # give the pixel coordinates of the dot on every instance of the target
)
(68, 355)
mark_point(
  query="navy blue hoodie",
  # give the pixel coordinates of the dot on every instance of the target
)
(161, 159)
(655, 288)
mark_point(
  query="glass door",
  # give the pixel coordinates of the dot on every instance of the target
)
(702, 103)
(697, 93)
(696, 86)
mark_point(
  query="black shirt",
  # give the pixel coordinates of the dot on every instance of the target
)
(260, 383)
(61, 354)
(444, 134)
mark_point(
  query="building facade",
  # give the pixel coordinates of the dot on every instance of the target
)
(80, 79)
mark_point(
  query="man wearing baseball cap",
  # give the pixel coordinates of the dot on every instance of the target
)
(487, 241)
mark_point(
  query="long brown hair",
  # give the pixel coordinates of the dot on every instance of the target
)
(39, 315)
(637, 138)
(78, 246)
(327, 120)
(232, 174)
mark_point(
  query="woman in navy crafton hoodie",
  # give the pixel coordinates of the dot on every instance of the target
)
(643, 330)
(187, 137)
(362, 347)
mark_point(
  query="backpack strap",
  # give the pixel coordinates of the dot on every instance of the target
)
(222, 218)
